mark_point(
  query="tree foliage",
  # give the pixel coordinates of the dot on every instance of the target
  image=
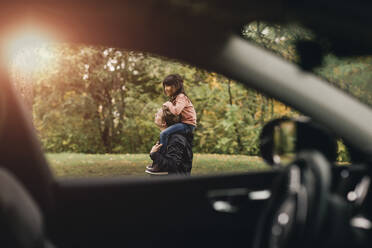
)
(103, 100)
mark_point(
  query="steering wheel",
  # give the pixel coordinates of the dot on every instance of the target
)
(296, 212)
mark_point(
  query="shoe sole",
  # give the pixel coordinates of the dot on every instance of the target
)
(156, 173)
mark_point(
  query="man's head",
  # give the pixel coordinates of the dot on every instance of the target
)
(169, 118)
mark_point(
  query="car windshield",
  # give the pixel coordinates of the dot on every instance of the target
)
(93, 107)
(299, 45)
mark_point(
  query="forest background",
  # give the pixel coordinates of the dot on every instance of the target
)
(86, 99)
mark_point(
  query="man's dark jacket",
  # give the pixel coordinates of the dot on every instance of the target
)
(177, 158)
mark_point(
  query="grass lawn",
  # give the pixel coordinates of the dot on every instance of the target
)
(93, 165)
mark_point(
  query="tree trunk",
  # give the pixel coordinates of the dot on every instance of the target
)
(263, 110)
(238, 140)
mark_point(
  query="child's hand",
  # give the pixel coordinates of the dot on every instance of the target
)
(166, 104)
(156, 147)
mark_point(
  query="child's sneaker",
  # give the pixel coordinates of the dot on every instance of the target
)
(155, 170)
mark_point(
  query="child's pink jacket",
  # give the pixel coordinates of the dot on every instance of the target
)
(182, 105)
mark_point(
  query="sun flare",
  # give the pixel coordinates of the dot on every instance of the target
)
(27, 51)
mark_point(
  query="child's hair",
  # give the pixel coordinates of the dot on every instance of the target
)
(175, 80)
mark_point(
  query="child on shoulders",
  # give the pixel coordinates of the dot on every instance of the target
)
(180, 106)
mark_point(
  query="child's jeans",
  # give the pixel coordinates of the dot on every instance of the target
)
(176, 128)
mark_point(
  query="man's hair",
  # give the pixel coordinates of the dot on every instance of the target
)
(176, 81)
(169, 118)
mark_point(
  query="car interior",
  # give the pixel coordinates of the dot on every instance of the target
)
(306, 200)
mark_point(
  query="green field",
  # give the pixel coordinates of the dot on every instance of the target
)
(93, 165)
